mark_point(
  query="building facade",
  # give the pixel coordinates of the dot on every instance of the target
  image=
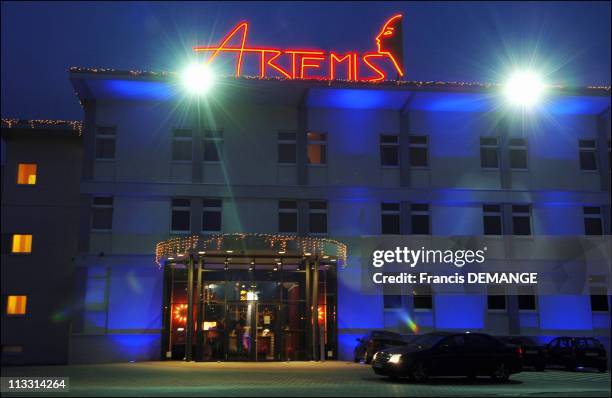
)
(260, 196)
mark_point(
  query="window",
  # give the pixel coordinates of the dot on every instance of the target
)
(389, 150)
(26, 173)
(287, 216)
(521, 220)
(392, 301)
(593, 224)
(213, 145)
(588, 155)
(518, 153)
(496, 297)
(22, 244)
(418, 150)
(211, 215)
(599, 298)
(422, 298)
(182, 145)
(102, 213)
(419, 218)
(317, 217)
(492, 219)
(489, 153)
(390, 218)
(181, 214)
(16, 305)
(317, 148)
(526, 298)
(105, 143)
(287, 147)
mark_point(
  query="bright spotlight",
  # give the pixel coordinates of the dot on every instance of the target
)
(197, 78)
(524, 89)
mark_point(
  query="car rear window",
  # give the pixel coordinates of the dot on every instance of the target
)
(587, 343)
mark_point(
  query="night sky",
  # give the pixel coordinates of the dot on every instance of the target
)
(458, 41)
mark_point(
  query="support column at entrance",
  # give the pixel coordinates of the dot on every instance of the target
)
(315, 311)
(189, 336)
(199, 301)
(307, 289)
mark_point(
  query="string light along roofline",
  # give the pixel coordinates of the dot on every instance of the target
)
(74, 125)
(468, 86)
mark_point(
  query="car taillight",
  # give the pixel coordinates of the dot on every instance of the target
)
(519, 352)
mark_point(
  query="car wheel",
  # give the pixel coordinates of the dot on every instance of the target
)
(602, 369)
(419, 372)
(501, 372)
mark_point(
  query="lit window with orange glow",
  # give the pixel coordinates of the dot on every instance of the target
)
(317, 145)
(21, 243)
(16, 305)
(26, 174)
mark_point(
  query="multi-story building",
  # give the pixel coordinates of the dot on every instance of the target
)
(220, 227)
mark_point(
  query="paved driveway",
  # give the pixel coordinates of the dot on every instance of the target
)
(297, 379)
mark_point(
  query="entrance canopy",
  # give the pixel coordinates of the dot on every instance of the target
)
(242, 248)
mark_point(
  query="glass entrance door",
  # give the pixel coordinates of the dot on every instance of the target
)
(268, 332)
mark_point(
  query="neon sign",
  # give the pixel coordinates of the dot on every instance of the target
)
(316, 64)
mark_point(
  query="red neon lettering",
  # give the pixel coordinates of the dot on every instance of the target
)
(333, 58)
(304, 65)
(387, 41)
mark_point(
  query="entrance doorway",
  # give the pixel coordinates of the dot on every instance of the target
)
(247, 311)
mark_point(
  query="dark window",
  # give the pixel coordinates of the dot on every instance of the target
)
(521, 220)
(389, 150)
(526, 298)
(392, 301)
(102, 213)
(492, 219)
(422, 297)
(419, 217)
(287, 147)
(182, 145)
(479, 341)
(593, 224)
(518, 153)
(599, 298)
(418, 150)
(390, 218)
(181, 212)
(588, 154)
(287, 216)
(496, 297)
(317, 217)
(105, 142)
(317, 148)
(213, 145)
(211, 215)
(489, 153)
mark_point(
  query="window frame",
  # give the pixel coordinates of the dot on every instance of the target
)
(319, 142)
(489, 147)
(590, 150)
(518, 147)
(504, 295)
(25, 309)
(597, 216)
(211, 209)
(102, 206)
(491, 213)
(387, 212)
(604, 288)
(177, 208)
(389, 145)
(521, 214)
(427, 295)
(533, 292)
(418, 145)
(285, 141)
(414, 213)
(217, 138)
(107, 137)
(287, 210)
(13, 234)
(176, 139)
(35, 164)
(312, 211)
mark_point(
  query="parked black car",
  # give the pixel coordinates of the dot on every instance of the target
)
(450, 354)
(534, 355)
(573, 352)
(374, 341)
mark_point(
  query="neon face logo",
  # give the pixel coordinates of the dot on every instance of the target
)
(316, 64)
